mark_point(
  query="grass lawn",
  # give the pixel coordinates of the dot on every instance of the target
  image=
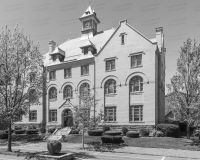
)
(148, 142)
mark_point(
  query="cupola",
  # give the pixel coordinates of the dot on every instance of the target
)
(89, 22)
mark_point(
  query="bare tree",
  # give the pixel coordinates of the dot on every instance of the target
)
(81, 112)
(184, 90)
(20, 71)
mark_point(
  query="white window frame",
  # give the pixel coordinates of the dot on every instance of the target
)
(33, 115)
(114, 114)
(133, 114)
(68, 73)
(53, 115)
(110, 65)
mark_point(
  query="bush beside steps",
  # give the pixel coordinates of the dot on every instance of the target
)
(132, 134)
(95, 132)
(111, 139)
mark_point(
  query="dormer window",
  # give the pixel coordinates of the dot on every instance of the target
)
(85, 51)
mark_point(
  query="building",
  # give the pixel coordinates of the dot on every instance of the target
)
(124, 68)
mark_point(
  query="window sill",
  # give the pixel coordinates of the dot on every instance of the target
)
(67, 77)
(111, 70)
(68, 98)
(53, 122)
(136, 122)
(52, 79)
(32, 120)
(53, 100)
(85, 75)
(111, 95)
(137, 66)
(136, 93)
(111, 122)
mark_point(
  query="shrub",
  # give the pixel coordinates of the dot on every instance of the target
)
(18, 128)
(3, 135)
(124, 130)
(106, 128)
(144, 132)
(22, 131)
(43, 130)
(170, 130)
(95, 132)
(51, 130)
(54, 147)
(113, 133)
(132, 134)
(159, 134)
(27, 138)
(183, 127)
(32, 131)
(111, 139)
(74, 131)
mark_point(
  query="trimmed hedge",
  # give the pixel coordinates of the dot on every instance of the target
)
(95, 132)
(124, 130)
(170, 130)
(27, 138)
(144, 132)
(111, 139)
(22, 131)
(51, 130)
(106, 128)
(132, 134)
(113, 133)
(32, 131)
(43, 130)
(3, 135)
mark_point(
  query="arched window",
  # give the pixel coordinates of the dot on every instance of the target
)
(84, 89)
(68, 92)
(32, 96)
(52, 93)
(136, 84)
(110, 86)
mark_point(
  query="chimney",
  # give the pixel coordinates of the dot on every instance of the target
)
(159, 37)
(52, 46)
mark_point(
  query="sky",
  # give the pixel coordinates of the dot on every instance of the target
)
(58, 20)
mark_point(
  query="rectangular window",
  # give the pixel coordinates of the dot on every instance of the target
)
(53, 115)
(110, 114)
(32, 77)
(67, 73)
(33, 116)
(54, 57)
(52, 75)
(110, 65)
(136, 113)
(85, 70)
(122, 39)
(136, 60)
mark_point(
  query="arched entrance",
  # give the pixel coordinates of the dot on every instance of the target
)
(67, 118)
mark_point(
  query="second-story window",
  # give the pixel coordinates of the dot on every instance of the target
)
(110, 65)
(52, 75)
(32, 77)
(85, 70)
(136, 60)
(67, 72)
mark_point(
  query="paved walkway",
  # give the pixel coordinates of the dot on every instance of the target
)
(129, 150)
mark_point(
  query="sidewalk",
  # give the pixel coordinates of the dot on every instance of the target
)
(145, 151)
(129, 150)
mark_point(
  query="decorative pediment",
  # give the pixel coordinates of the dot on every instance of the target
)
(66, 104)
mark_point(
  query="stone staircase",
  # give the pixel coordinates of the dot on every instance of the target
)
(59, 133)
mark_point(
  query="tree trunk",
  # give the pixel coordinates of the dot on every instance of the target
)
(188, 132)
(83, 137)
(9, 138)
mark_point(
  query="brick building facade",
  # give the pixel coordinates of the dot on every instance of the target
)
(123, 67)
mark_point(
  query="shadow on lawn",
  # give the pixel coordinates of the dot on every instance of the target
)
(104, 147)
(83, 155)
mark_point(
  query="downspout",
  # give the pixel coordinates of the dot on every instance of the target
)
(44, 96)
(94, 92)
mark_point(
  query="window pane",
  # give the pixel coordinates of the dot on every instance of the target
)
(110, 114)
(113, 64)
(133, 60)
(107, 65)
(139, 60)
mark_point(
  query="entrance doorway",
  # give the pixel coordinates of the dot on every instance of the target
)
(67, 119)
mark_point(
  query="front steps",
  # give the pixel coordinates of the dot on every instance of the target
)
(58, 134)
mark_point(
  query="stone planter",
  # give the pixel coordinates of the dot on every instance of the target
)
(60, 156)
